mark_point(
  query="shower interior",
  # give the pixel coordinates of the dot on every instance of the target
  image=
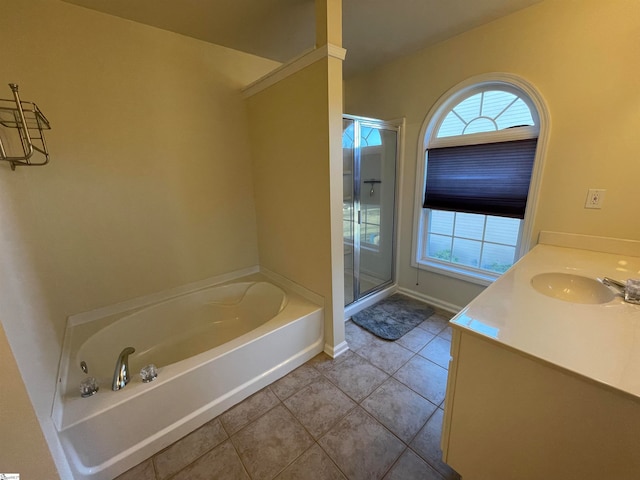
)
(369, 155)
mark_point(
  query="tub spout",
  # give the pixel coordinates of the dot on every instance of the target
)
(121, 374)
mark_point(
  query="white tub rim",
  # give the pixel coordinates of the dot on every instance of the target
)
(112, 313)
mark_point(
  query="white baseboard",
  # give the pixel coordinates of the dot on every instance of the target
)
(336, 351)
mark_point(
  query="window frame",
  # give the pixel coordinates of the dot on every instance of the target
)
(502, 81)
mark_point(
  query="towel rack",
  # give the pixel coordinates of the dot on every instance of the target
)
(29, 122)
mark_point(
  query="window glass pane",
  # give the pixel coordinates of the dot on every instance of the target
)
(439, 246)
(470, 108)
(371, 234)
(370, 227)
(517, 114)
(502, 230)
(369, 137)
(469, 225)
(495, 101)
(497, 258)
(347, 222)
(441, 222)
(480, 124)
(451, 126)
(347, 137)
(466, 252)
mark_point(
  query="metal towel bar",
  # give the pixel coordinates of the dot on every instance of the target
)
(29, 122)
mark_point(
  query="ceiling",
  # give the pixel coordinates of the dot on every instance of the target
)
(374, 31)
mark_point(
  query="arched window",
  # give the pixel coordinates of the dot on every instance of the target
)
(369, 137)
(478, 165)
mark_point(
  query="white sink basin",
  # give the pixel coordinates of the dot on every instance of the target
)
(572, 288)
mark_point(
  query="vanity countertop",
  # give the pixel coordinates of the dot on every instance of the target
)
(600, 342)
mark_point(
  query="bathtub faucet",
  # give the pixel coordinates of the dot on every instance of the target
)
(121, 374)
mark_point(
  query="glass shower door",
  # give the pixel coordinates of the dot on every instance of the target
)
(348, 207)
(369, 158)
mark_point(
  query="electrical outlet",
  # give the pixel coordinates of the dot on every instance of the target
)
(595, 198)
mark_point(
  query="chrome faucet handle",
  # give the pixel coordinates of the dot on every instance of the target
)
(121, 373)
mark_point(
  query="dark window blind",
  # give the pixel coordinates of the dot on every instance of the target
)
(491, 178)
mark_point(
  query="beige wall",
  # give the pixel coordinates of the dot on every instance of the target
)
(150, 182)
(581, 55)
(22, 446)
(289, 130)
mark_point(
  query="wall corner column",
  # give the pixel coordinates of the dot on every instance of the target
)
(329, 33)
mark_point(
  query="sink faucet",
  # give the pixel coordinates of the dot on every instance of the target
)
(610, 282)
(121, 374)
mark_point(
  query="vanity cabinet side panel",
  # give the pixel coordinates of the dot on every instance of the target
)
(513, 417)
(450, 393)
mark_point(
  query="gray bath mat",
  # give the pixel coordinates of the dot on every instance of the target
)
(393, 317)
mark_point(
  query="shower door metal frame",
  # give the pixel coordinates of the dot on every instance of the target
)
(385, 125)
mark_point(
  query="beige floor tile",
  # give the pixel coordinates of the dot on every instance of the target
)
(357, 337)
(446, 333)
(319, 406)
(387, 356)
(323, 362)
(221, 463)
(313, 464)
(427, 445)
(294, 381)
(424, 377)
(270, 443)
(435, 324)
(356, 377)
(142, 471)
(361, 447)
(411, 467)
(189, 448)
(415, 339)
(399, 408)
(438, 351)
(249, 409)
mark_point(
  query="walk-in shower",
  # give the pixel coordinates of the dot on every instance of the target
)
(370, 153)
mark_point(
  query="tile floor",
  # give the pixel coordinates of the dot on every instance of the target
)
(374, 412)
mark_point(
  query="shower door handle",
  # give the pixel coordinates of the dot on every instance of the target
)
(358, 217)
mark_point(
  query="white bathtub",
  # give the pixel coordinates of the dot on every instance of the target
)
(213, 347)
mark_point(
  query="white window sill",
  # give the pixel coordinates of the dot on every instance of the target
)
(468, 275)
